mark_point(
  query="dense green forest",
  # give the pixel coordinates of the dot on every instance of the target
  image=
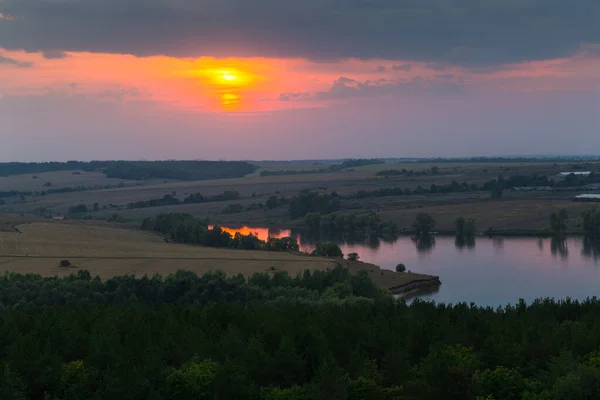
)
(321, 335)
(140, 170)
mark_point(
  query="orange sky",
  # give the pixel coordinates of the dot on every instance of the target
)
(256, 84)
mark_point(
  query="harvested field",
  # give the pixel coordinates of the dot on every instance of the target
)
(58, 179)
(109, 252)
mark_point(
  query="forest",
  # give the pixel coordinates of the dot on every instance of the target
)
(321, 335)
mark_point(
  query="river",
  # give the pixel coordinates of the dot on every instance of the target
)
(489, 272)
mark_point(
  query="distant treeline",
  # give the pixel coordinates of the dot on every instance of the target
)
(511, 159)
(313, 202)
(169, 200)
(184, 228)
(332, 168)
(410, 172)
(294, 172)
(497, 184)
(140, 170)
(79, 188)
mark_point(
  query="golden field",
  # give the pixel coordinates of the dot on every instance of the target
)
(109, 251)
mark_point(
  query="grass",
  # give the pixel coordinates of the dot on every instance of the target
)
(109, 251)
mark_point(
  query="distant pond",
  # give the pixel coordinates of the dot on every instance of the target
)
(490, 271)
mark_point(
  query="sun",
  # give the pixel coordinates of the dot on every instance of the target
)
(229, 77)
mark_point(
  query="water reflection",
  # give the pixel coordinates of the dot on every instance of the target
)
(462, 242)
(498, 242)
(425, 244)
(373, 242)
(558, 246)
(591, 248)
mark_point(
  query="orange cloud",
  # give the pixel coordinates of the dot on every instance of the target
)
(249, 85)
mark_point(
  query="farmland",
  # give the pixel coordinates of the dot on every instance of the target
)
(514, 211)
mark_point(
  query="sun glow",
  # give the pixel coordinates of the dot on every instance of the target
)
(229, 77)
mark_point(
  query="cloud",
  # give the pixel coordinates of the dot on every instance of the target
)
(54, 54)
(345, 88)
(16, 63)
(464, 32)
(402, 67)
(381, 68)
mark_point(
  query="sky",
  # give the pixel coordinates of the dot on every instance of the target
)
(310, 79)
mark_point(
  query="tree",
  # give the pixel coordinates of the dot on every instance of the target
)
(423, 224)
(465, 227)
(11, 385)
(591, 222)
(75, 380)
(558, 222)
(313, 221)
(96, 206)
(78, 209)
(65, 264)
(328, 249)
(400, 268)
(497, 187)
(353, 257)
(501, 383)
(193, 381)
(272, 202)
(116, 217)
(448, 372)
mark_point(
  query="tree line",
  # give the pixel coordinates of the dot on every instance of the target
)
(332, 168)
(140, 170)
(321, 335)
(184, 228)
(194, 198)
(494, 186)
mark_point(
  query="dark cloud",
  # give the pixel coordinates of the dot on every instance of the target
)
(346, 89)
(468, 32)
(16, 63)
(402, 67)
(381, 68)
(54, 54)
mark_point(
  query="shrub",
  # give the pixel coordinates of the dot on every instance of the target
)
(328, 249)
(400, 268)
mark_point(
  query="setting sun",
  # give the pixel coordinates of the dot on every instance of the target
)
(229, 77)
